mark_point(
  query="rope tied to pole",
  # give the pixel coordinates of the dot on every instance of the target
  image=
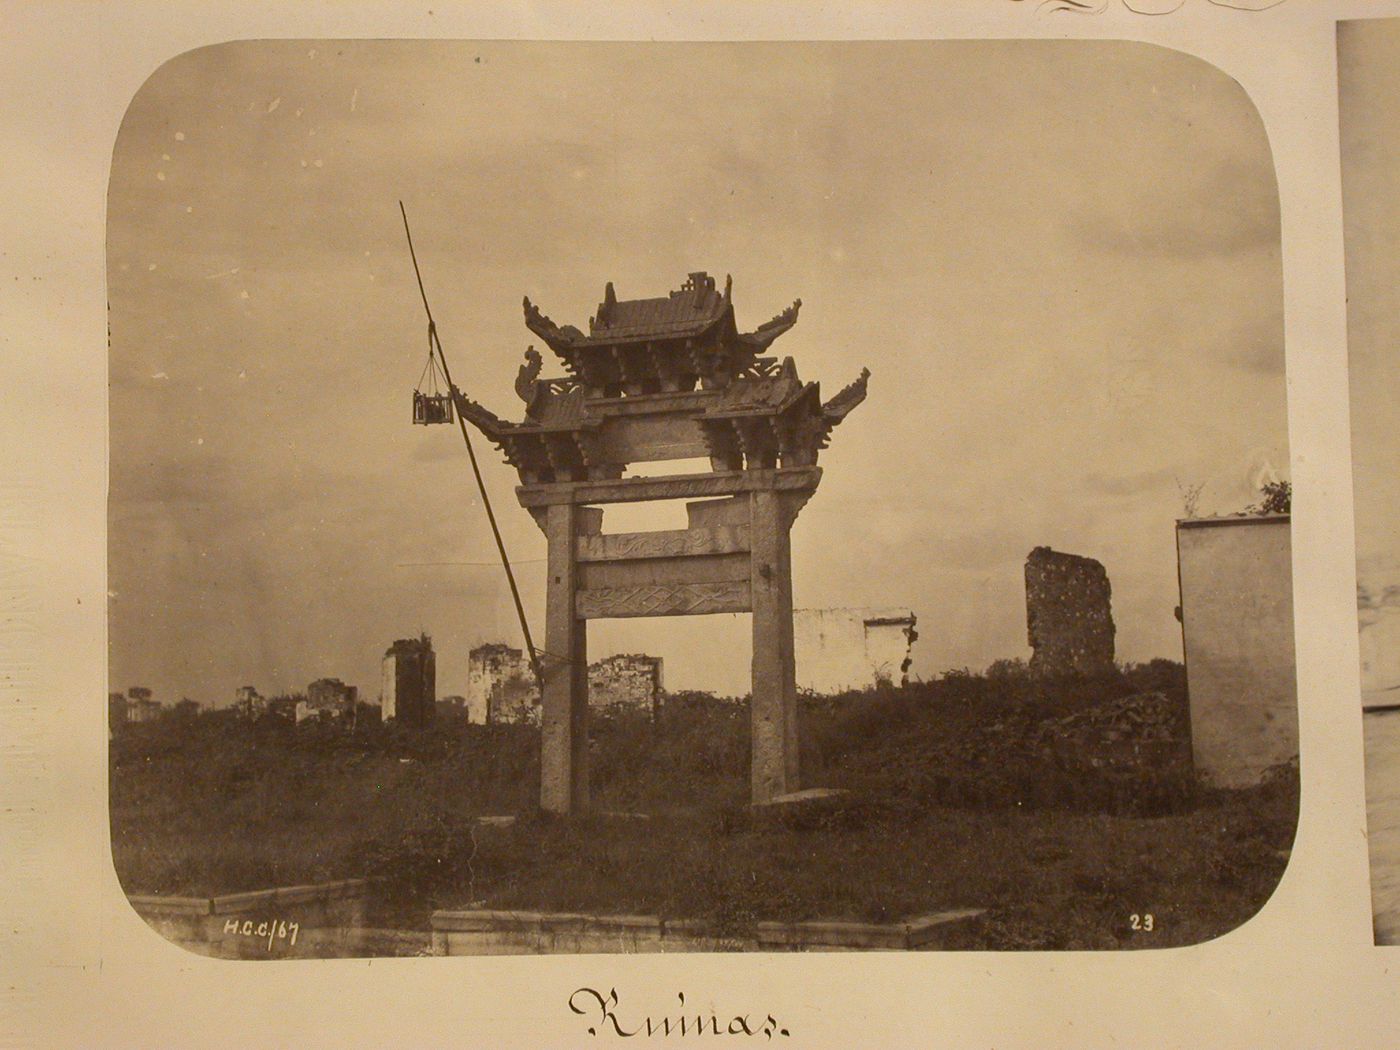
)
(435, 343)
(428, 379)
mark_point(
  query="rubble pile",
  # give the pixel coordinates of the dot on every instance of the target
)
(1125, 755)
(1140, 725)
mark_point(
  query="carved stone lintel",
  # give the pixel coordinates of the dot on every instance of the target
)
(679, 599)
(669, 486)
(674, 543)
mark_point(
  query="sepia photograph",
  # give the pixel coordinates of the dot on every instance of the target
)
(577, 498)
(1368, 62)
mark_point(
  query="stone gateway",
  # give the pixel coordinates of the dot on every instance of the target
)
(655, 380)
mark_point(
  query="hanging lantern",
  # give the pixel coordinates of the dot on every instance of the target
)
(430, 404)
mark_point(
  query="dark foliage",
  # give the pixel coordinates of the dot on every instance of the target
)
(1276, 498)
(1062, 807)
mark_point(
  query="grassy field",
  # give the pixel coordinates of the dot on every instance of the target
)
(1063, 810)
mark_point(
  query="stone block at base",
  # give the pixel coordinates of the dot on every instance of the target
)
(479, 932)
(325, 920)
(922, 934)
(798, 809)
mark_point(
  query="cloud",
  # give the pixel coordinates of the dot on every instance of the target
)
(1233, 208)
(1254, 344)
(173, 483)
(1117, 485)
(433, 449)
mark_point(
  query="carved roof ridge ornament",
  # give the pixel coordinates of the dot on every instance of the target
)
(551, 333)
(762, 337)
(484, 419)
(525, 380)
(840, 406)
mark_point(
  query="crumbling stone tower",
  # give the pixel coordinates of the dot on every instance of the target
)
(1069, 619)
(410, 682)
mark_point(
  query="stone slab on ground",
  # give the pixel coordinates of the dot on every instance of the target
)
(794, 798)
(924, 933)
(322, 920)
(800, 808)
(483, 932)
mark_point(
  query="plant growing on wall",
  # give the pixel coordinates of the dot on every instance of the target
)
(1190, 497)
(1277, 498)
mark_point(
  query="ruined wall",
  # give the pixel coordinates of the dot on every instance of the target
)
(409, 684)
(1237, 633)
(841, 649)
(628, 680)
(327, 696)
(1380, 655)
(249, 703)
(500, 685)
(1069, 619)
(143, 710)
(454, 706)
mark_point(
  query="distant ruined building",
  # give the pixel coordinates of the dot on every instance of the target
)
(500, 686)
(502, 689)
(249, 703)
(140, 707)
(631, 681)
(409, 692)
(327, 698)
(1069, 620)
(843, 649)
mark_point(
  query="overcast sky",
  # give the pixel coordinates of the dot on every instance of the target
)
(1368, 55)
(1060, 262)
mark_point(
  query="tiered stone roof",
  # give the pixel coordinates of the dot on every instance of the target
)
(676, 362)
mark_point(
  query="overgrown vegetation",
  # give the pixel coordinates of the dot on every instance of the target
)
(1063, 808)
(1275, 497)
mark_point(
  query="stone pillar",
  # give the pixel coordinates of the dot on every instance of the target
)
(775, 765)
(564, 731)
